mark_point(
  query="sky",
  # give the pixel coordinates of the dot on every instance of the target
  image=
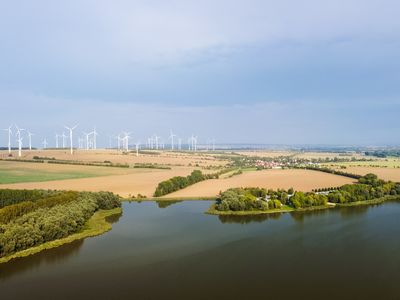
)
(270, 72)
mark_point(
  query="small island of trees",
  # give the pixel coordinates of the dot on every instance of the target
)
(259, 200)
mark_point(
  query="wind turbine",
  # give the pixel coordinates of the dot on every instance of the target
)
(30, 139)
(57, 136)
(180, 144)
(94, 132)
(87, 135)
(126, 140)
(156, 139)
(171, 137)
(63, 139)
(70, 137)
(137, 144)
(44, 143)
(118, 137)
(9, 131)
(195, 143)
(19, 140)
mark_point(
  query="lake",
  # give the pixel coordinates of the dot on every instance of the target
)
(178, 252)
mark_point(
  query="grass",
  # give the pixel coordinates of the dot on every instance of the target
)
(11, 172)
(29, 175)
(96, 225)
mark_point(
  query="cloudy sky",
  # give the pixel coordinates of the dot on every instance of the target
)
(275, 72)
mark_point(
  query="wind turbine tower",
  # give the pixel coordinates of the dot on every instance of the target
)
(44, 143)
(126, 140)
(30, 139)
(70, 137)
(137, 145)
(9, 132)
(94, 132)
(180, 144)
(63, 139)
(19, 140)
(171, 137)
(57, 136)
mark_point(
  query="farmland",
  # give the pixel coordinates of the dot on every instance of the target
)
(157, 166)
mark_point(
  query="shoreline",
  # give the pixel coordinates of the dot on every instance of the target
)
(213, 211)
(95, 226)
(286, 209)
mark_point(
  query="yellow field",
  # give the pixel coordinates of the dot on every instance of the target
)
(392, 174)
(99, 156)
(302, 180)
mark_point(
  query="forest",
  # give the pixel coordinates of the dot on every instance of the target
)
(29, 218)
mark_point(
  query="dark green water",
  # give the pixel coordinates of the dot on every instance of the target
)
(178, 252)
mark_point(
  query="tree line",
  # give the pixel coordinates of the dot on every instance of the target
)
(49, 218)
(179, 182)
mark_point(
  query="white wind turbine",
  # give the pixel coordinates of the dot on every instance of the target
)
(19, 140)
(94, 132)
(56, 138)
(70, 137)
(156, 140)
(118, 137)
(80, 143)
(193, 142)
(30, 139)
(44, 143)
(63, 136)
(126, 140)
(180, 144)
(87, 135)
(9, 132)
(171, 137)
(137, 145)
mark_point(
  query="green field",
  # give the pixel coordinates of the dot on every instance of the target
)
(17, 172)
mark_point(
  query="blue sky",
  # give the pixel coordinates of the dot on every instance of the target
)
(278, 72)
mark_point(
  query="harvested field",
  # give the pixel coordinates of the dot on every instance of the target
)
(155, 157)
(302, 180)
(392, 174)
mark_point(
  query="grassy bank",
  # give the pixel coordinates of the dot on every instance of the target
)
(213, 211)
(96, 225)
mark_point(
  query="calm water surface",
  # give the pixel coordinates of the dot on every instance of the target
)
(178, 252)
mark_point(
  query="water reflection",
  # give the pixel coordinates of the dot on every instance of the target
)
(166, 203)
(351, 211)
(300, 216)
(114, 218)
(226, 219)
(46, 257)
